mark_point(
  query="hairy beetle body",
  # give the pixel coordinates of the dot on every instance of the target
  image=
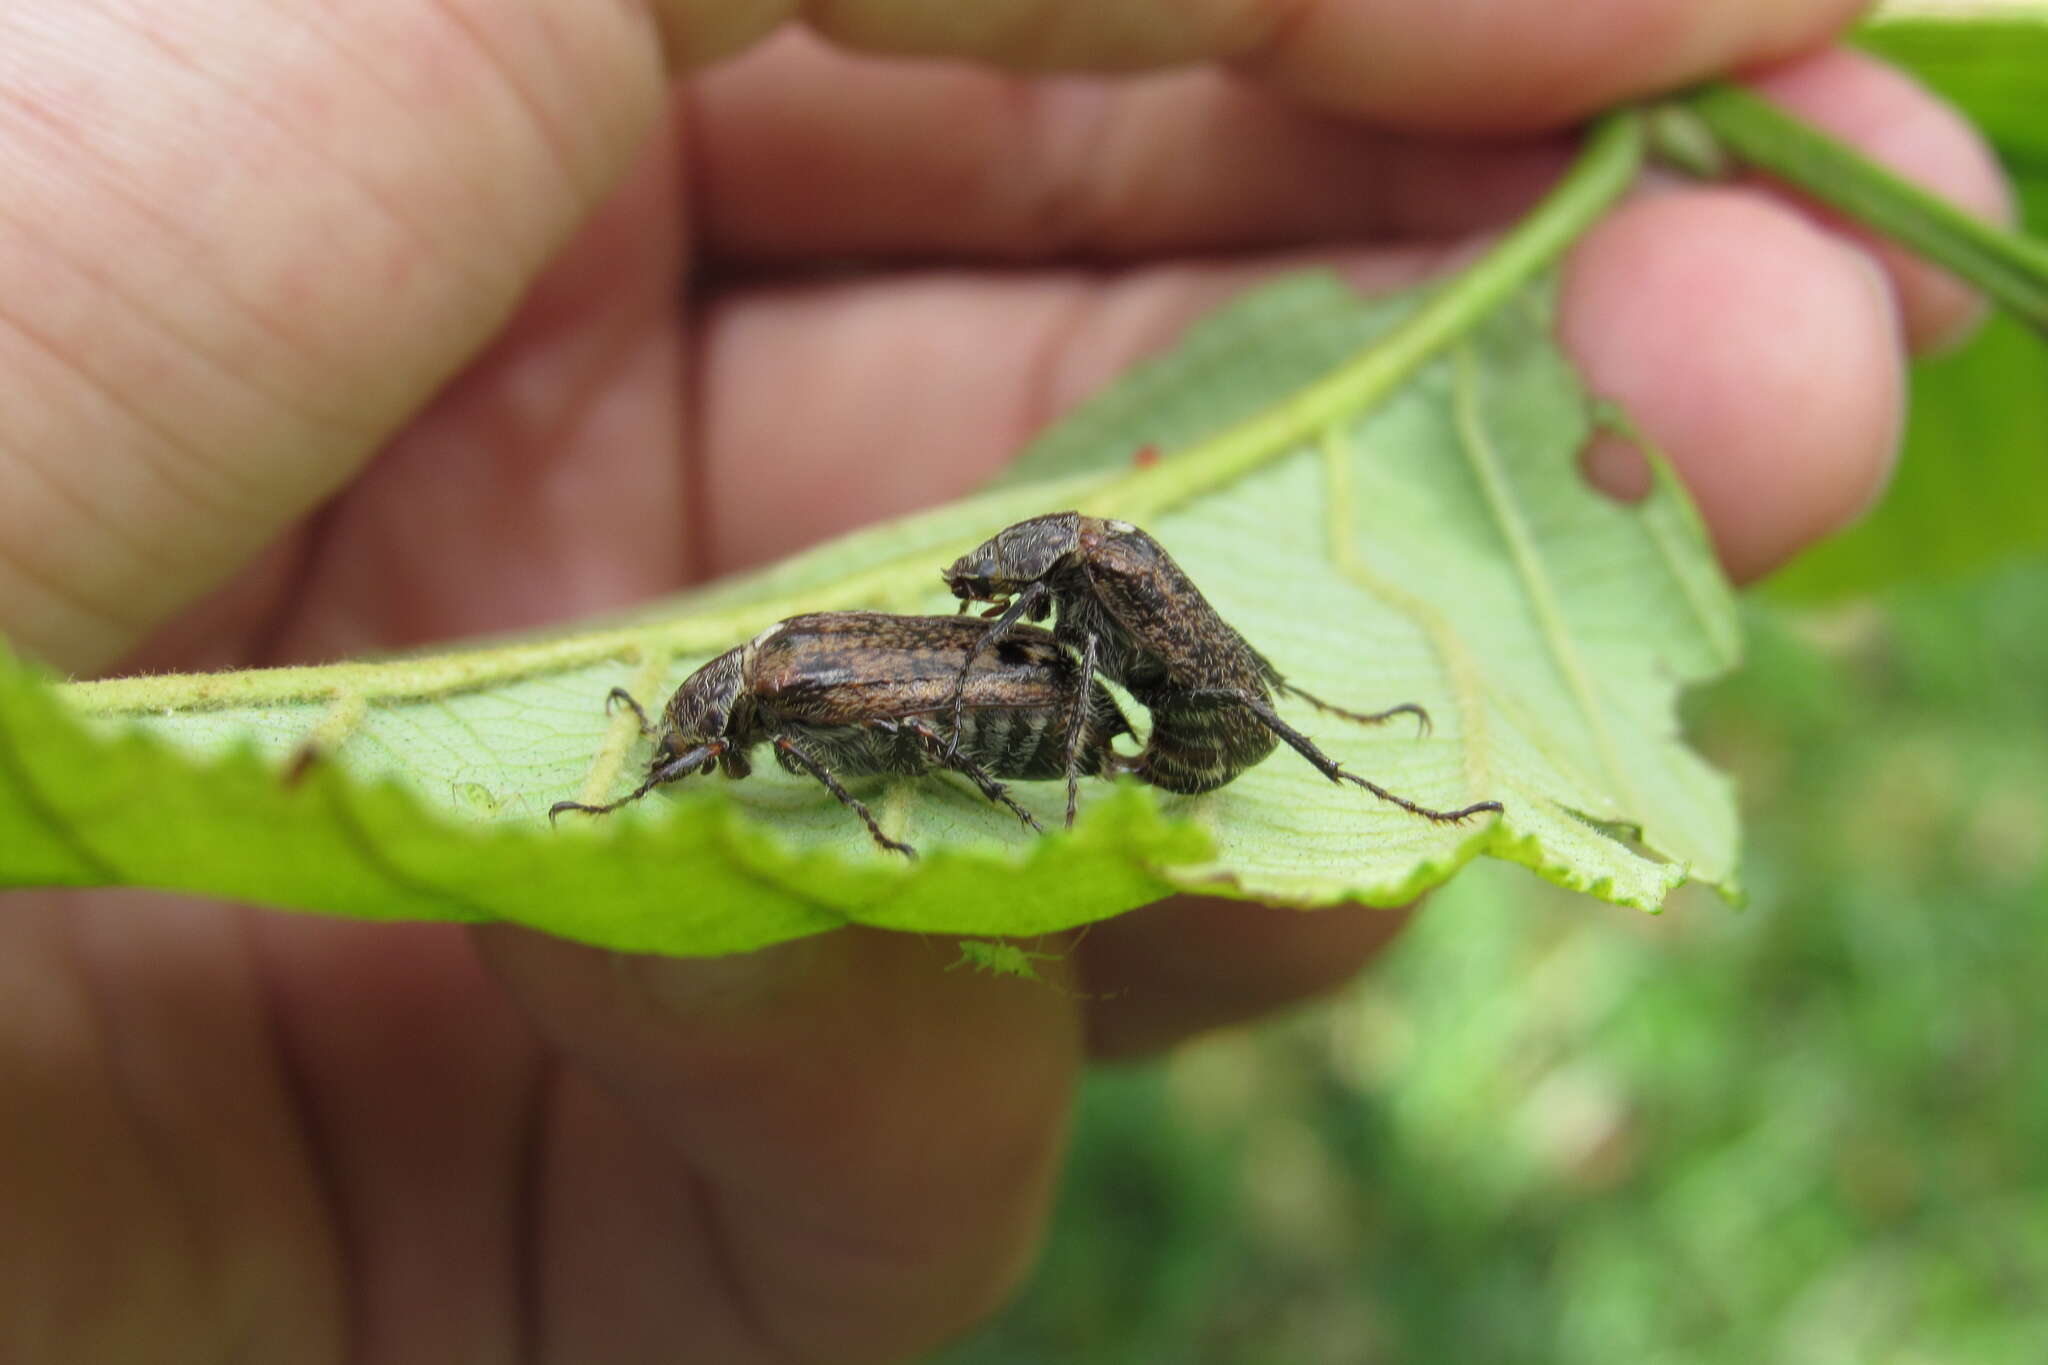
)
(860, 694)
(1128, 611)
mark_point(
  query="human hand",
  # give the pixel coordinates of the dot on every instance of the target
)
(339, 328)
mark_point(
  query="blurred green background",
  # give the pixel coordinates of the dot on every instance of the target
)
(1546, 1129)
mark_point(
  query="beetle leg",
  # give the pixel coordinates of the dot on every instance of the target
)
(1024, 602)
(788, 747)
(1406, 708)
(1329, 767)
(621, 694)
(1076, 723)
(943, 754)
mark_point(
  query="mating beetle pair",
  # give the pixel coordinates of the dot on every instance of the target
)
(861, 694)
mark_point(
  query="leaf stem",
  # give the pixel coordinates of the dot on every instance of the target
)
(2010, 267)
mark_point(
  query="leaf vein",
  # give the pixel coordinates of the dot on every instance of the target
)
(383, 865)
(1708, 598)
(624, 728)
(1461, 672)
(32, 800)
(1483, 458)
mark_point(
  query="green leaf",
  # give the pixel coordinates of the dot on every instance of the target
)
(1971, 488)
(1972, 484)
(1439, 549)
(1990, 66)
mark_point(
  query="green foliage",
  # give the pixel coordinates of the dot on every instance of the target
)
(1814, 1131)
(1972, 485)
(1990, 68)
(1440, 548)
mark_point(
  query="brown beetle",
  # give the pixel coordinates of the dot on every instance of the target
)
(861, 693)
(1129, 612)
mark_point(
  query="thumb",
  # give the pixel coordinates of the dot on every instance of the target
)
(875, 1138)
(244, 242)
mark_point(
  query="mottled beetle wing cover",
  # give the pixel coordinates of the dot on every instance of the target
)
(1152, 597)
(845, 667)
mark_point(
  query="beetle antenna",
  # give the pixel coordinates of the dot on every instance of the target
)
(673, 770)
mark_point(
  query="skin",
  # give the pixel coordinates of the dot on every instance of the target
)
(331, 328)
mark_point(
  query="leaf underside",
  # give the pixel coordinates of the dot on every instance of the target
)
(1440, 549)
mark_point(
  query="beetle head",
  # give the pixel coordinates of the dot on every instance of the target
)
(1014, 558)
(701, 719)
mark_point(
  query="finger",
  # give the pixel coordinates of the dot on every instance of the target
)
(1191, 162)
(1181, 161)
(1759, 352)
(162, 1198)
(241, 248)
(1509, 64)
(1160, 975)
(544, 484)
(875, 1136)
(547, 481)
(918, 387)
(418, 1087)
(1887, 116)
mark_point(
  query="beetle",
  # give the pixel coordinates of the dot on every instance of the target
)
(1130, 613)
(862, 693)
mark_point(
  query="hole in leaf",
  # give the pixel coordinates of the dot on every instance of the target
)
(1614, 464)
